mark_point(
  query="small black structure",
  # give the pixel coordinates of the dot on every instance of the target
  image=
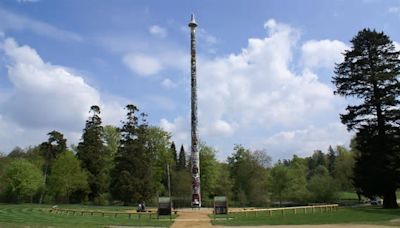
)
(164, 206)
(220, 205)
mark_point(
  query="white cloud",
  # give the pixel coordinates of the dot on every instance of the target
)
(322, 53)
(205, 36)
(12, 21)
(244, 94)
(394, 9)
(256, 86)
(179, 127)
(143, 65)
(27, 1)
(168, 83)
(158, 31)
(147, 65)
(306, 140)
(41, 88)
(396, 45)
(45, 97)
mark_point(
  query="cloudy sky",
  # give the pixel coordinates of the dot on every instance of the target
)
(264, 68)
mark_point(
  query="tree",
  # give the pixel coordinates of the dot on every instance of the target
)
(173, 152)
(343, 170)
(208, 171)
(67, 176)
(17, 152)
(298, 191)
(280, 181)
(22, 180)
(323, 189)
(158, 146)
(55, 145)
(92, 154)
(370, 73)
(317, 159)
(132, 175)
(112, 139)
(331, 159)
(181, 165)
(249, 177)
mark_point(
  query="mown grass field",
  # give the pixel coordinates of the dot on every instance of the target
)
(35, 216)
(362, 215)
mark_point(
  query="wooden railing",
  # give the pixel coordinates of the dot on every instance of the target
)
(283, 210)
(57, 210)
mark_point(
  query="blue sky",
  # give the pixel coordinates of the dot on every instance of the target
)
(264, 68)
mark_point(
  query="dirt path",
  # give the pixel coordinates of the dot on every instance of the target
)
(193, 218)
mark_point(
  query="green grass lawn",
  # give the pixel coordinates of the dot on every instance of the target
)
(366, 215)
(21, 215)
(348, 196)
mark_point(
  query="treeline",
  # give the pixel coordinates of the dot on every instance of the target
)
(129, 164)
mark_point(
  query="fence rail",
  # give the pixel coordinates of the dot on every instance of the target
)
(295, 210)
(57, 210)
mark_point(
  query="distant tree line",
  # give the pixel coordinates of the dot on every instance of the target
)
(129, 164)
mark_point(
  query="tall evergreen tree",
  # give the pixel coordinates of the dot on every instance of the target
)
(181, 159)
(92, 153)
(331, 158)
(132, 176)
(370, 73)
(173, 152)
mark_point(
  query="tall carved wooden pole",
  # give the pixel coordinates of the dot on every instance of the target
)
(195, 159)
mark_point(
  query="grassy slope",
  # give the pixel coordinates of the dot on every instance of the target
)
(38, 216)
(370, 215)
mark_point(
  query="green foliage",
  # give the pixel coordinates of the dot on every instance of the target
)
(323, 188)
(181, 183)
(280, 181)
(21, 180)
(132, 176)
(318, 159)
(93, 154)
(370, 73)
(174, 153)
(343, 170)
(224, 183)
(158, 146)
(66, 177)
(112, 139)
(181, 165)
(331, 160)
(208, 171)
(55, 145)
(298, 191)
(249, 176)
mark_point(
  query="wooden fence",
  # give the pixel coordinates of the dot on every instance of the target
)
(65, 211)
(284, 210)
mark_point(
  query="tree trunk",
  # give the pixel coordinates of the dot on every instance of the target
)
(44, 184)
(389, 199)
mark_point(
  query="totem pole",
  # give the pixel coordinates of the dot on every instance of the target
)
(195, 159)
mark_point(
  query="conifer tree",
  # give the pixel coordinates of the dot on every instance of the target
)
(370, 73)
(92, 154)
(132, 175)
(182, 159)
(173, 152)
